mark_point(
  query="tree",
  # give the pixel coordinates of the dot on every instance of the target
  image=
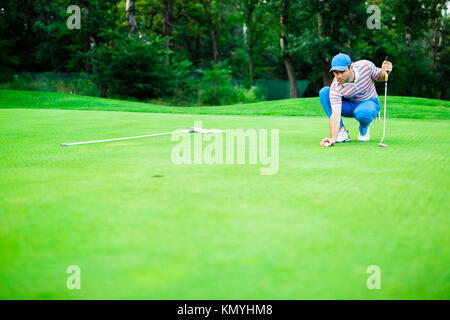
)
(284, 15)
(131, 16)
(167, 20)
(438, 23)
(214, 27)
(326, 76)
(167, 24)
(285, 11)
(248, 8)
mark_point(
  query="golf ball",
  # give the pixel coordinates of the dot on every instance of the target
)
(326, 144)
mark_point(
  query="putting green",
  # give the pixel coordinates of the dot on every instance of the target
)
(141, 227)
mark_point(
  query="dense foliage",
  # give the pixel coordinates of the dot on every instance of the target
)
(189, 51)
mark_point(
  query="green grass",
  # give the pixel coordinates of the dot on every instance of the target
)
(224, 231)
(399, 107)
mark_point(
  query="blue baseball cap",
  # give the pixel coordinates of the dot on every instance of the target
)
(340, 62)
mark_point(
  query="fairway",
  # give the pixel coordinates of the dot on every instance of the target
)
(141, 227)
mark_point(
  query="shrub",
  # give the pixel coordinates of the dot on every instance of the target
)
(138, 67)
(254, 94)
(77, 83)
(216, 88)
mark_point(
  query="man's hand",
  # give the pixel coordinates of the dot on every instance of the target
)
(386, 66)
(326, 142)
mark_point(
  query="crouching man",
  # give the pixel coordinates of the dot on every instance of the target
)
(352, 94)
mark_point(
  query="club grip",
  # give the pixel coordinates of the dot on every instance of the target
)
(386, 73)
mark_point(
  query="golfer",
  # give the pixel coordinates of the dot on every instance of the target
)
(352, 94)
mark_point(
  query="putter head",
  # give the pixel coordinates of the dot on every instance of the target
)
(382, 144)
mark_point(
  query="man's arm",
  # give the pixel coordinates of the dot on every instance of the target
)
(335, 121)
(381, 76)
(335, 117)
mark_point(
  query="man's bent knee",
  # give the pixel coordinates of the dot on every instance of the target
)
(325, 91)
(363, 116)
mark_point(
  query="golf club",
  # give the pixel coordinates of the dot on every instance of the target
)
(381, 144)
(190, 130)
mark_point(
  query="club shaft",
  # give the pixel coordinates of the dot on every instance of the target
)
(384, 113)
